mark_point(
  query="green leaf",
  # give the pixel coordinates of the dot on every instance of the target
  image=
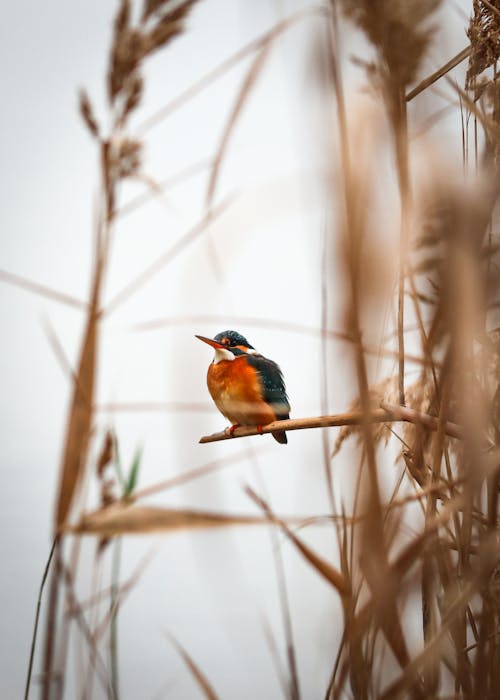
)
(117, 463)
(133, 473)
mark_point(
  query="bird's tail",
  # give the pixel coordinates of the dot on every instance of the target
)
(280, 436)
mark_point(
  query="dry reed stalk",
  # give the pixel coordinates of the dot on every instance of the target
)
(74, 460)
(119, 160)
(292, 684)
(400, 34)
(460, 593)
(440, 73)
(451, 336)
(354, 184)
(411, 554)
(324, 305)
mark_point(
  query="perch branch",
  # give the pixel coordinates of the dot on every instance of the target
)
(387, 414)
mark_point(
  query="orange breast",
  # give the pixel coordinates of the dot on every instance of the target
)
(235, 389)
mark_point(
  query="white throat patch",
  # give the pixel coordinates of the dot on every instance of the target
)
(223, 354)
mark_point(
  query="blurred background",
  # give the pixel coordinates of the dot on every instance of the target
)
(267, 267)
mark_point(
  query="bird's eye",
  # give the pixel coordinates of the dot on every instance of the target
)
(226, 341)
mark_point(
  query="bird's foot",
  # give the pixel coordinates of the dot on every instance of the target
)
(259, 430)
(230, 431)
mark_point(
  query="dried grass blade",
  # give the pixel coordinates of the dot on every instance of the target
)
(119, 595)
(170, 182)
(412, 552)
(42, 290)
(193, 474)
(196, 672)
(397, 571)
(80, 414)
(384, 588)
(327, 571)
(242, 96)
(280, 325)
(96, 660)
(61, 357)
(153, 406)
(121, 519)
(223, 67)
(125, 588)
(399, 688)
(255, 321)
(168, 255)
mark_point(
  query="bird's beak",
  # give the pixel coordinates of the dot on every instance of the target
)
(211, 342)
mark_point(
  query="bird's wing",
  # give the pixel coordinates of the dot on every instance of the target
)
(273, 384)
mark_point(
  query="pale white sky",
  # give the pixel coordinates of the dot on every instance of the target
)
(211, 590)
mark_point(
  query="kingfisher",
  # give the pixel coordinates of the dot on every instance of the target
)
(247, 388)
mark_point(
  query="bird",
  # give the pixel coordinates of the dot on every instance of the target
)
(247, 388)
